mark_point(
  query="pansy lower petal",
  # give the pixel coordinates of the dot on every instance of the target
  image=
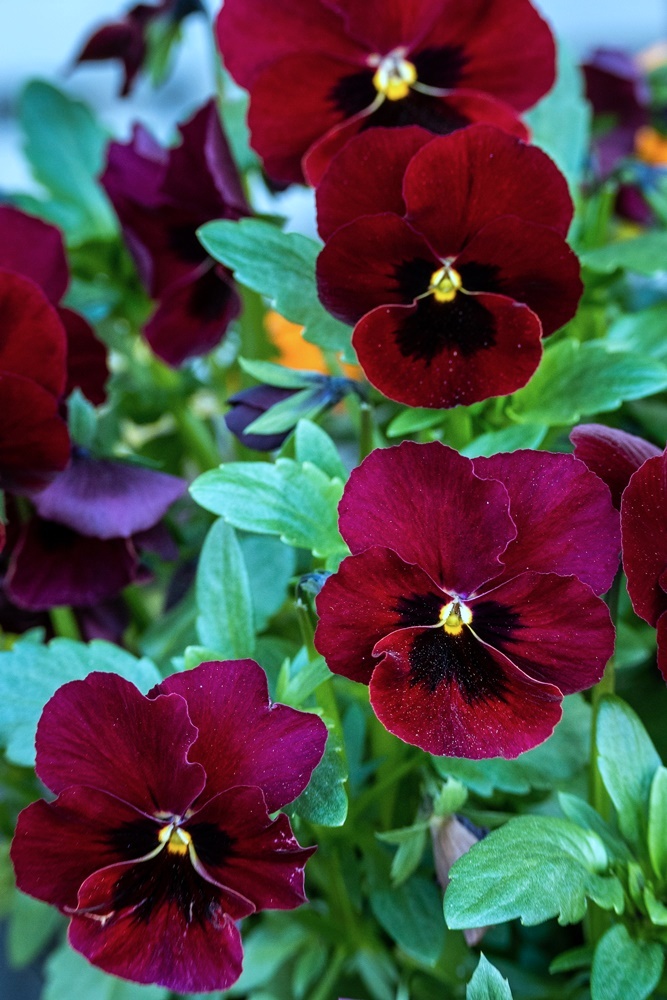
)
(552, 627)
(424, 502)
(104, 733)
(449, 354)
(612, 454)
(271, 746)
(455, 696)
(565, 520)
(372, 594)
(644, 533)
(34, 443)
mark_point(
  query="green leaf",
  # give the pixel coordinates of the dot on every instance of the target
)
(549, 765)
(314, 445)
(657, 824)
(624, 968)
(31, 926)
(66, 149)
(535, 868)
(411, 842)
(581, 813)
(224, 622)
(30, 674)
(324, 801)
(642, 332)
(645, 255)
(281, 267)
(412, 420)
(81, 419)
(301, 678)
(69, 975)
(266, 949)
(278, 375)
(295, 501)
(283, 416)
(574, 958)
(575, 379)
(487, 983)
(270, 566)
(508, 439)
(412, 915)
(627, 761)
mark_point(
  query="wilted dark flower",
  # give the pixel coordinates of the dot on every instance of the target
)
(452, 836)
(160, 838)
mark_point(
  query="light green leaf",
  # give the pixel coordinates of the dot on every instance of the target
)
(416, 419)
(535, 868)
(575, 379)
(70, 975)
(627, 761)
(278, 375)
(324, 801)
(412, 915)
(300, 678)
(266, 949)
(283, 416)
(487, 983)
(411, 843)
(270, 566)
(30, 674)
(625, 968)
(314, 445)
(281, 267)
(297, 502)
(583, 814)
(641, 332)
(646, 255)
(508, 439)
(224, 622)
(31, 926)
(657, 824)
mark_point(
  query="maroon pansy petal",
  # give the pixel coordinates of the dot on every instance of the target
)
(384, 25)
(662, 644)
(35, 249)
(552, 627)
(612, 454)
(34, 443)
(372, 594)
(644, 533)
(373, 261)
(232, 697)
(104, 733)
(32, 338)
(449, 354)
(455, 696)
(239, 847)
(172, 931)
(529, 263)
(344, 193)
(615, 85)
(277, 30)
(135, 170)
(53, 565)
(86, 358)
(124, 40)
(485, 173)
(425, 502)
(565, 520)
(107, 499)
(59, 844)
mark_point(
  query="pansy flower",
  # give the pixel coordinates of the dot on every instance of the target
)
(452, 264)
(469, 604)
(319, 71)
(161, 197)
(160, 838)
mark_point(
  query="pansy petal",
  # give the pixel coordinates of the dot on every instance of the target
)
(384, 25)
(565, 520)
(35, 249)
(32, 338)
(455, 696)
(232, 697)
(482, 174)
(425, 502)
(612, 454)
(86, 358)
(104, 733)
(552, 627)
(34, 443)
(372, 594)
(241, 848)
(59, 844)
(158, 922)
(644, 532)
(107, 499)
(449, 354)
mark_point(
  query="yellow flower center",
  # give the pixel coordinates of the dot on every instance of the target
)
(394, 77)
(454, 616)
(445, 283)
(176, 838)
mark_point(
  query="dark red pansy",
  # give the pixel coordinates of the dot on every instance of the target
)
(161, 197)
(469, 603)
(453, 269)
(160, 838)
(320, 71)
(612, 454)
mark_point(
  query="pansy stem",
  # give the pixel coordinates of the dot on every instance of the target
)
(305, 627)
(366, 430)
(64, 623)
(197, 437)
(326, 984)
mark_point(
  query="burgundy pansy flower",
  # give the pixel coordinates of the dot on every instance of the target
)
(160, 838)
(469, 601)
(612, 454)
(161, 197)
(82, 547)
(453, 264)
(319, 71)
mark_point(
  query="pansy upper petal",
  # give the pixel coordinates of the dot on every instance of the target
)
(35, 249)
(104, 733)
(565, 520)
(552, 627)
(33, 343)
(481, 173)
(454, 695)
(372, 594)
(612, 454)
(385, 25)
(449, 354)
(425, 502)
(34, 443)
(273, 747)
(644, 533)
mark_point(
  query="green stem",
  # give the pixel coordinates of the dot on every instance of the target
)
(138, 607)
(305, 628)
(366, 430)
(196, 437)
(328, 980)
(64, 623)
